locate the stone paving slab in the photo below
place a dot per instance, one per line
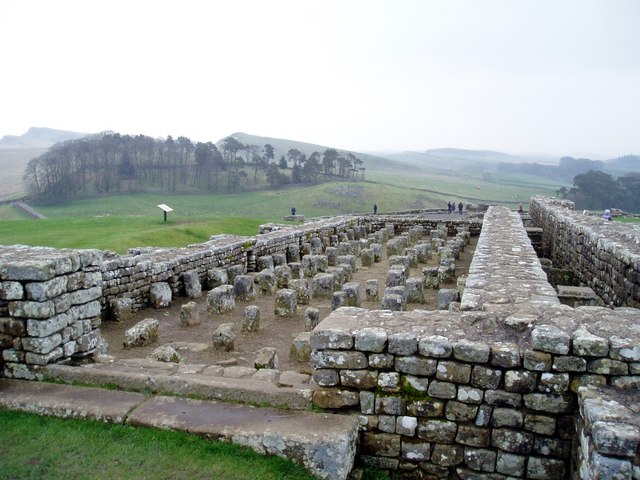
(67, 401)
(243, 390)
(324, 443)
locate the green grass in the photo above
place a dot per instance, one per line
(45, 447)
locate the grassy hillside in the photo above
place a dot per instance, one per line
(13, 161)
(125, 221)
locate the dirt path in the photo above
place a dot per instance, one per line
(274, 331)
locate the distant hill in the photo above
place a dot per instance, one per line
(627, 162)
(281, 146)
(38, 137)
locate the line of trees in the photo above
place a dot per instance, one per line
(112, 163)
(596, 190)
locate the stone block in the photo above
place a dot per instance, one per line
(589, 345)
(251, 319)
(189, 315)
(480, 459)
(545, 469)
(160, 295)
(244, 288)
(537, 361)
(41, 291)
(455, 372)
(435, 346)
(267, 357)
(506, 355)
(11, 291)
(338, 300)
(507, 417)
(337, 359)
(549, 338)
(352, 291)
(393, 302)
(301, 352)
(367, 257)
(121, 309)
(446, 296)
(437, 431)
(447, 455)
(510, 464)
(142, 333)
(360, 379)
(283, 276)
(426, 408)
(234, 270)
(221, 299)
(286, 304)
(371, 339)
(330, 378)
(224, 337)
(167, 354)
(395, 277)
(371, 289)
(217, 277)
(415, 450)
(520, 381)
(444, 390)
(469, 351)
(323, 286)
(403, 343)
(513, 441)
(303, 289)
(461, 412)
(413, 365)
(264, 262)
(331, 339)
(311, 318)
(336, 398)
(414, 290)
(192, 285)
(266, 282)
(389, 381)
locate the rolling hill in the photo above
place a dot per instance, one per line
(38, 137)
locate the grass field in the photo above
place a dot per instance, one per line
(123, 221)
(52, 448)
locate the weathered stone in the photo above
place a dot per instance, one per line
(192, 285)
(361, 379)
(537, 361)
(510, 464)
(189, 314)
(569, 364)
(546, 402)
(548, 338)
(244, 288)
(506, 355)
(499, 398)
(553, 382)
(160, 295)
(437, 431)
(11, 291)
(435, 346)
(587, 344)
(455, 372)
(520, 381)
(331, 339)
(381, 361)
(303, 289)
(266, 282)
(25, 309)
(468, 351)
(606, 366)
(121, 309)
(446, 296)
(41, 291)
(415, 384)
(471, 395)
(371, 339)
(402, 343)
(217, 277)
(335, 398)
(311, 318)
(283, 276)
(415, 450)
(142, 333)
(337, 359)
(624, 349)
(221, 299)
(440, 389)
(233, 271)
(352, 291)
(480, 459)
(447, 455)
(251, 319)
(460, 412)
(485, 378)
(512, 440)
(393, 302)
(540, 424)
(413, 365)
(506, 417)
(167, 354)
(389, 381)
(267, 357)
(41, 345)
(323, 285)
(545, 468)
(338, 300)
(330, 378)
(285, 303)
(224, 337)
(426, 408)
(300, 349)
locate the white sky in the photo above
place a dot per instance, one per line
(540, 76)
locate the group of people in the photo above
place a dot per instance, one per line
(451, 207)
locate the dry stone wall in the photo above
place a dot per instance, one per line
(603, 255)
(49, 307)
(489, 392)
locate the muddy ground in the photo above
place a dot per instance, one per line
(195, 342)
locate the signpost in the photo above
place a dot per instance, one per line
(165, 209)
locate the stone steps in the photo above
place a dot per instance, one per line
(323, 443)
(282, 389)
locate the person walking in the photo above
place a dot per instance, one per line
(460, 208)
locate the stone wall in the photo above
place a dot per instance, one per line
(49, 307)
(489, 392)
(403, 222)
(603, 255)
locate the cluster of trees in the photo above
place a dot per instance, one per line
(596, 190)
(111, 163)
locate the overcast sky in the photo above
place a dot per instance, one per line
(538, 76)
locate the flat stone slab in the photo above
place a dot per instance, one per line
(67, 401)
(323, 443)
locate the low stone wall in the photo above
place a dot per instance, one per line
(603, 255)
(49, 307)
(403, 222)
(489, 392)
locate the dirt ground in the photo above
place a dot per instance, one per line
(195, 342)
